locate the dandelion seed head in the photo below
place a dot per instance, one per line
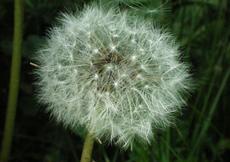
(119, 78)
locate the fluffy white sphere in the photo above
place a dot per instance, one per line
(118, 77)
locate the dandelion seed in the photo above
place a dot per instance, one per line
(59, 67)
(95, 51)
(146, 86)
(115, 84)
(96, 76)
(142, 67)
(133, 41)
(123, 75)
(71, 56)
(133, 58)
(115, 36)
(109, 67)
(112, 47)
(140, 106)
(139, 76)
(142, 50)
(88, 34)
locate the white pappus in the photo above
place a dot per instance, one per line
(119, 78)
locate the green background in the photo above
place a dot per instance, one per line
(201, 132)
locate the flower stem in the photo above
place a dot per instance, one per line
(14, 81)
(87, 148)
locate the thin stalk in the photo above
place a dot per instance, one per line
(206, 101)
(168, 142)
(14, 81)
(207, 122)
(87, 148)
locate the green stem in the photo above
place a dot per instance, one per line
(14, 81)
(87, 148)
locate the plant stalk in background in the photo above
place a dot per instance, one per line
(14, 81)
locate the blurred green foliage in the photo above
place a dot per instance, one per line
(202, 131)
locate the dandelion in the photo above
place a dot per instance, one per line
(121, 85)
